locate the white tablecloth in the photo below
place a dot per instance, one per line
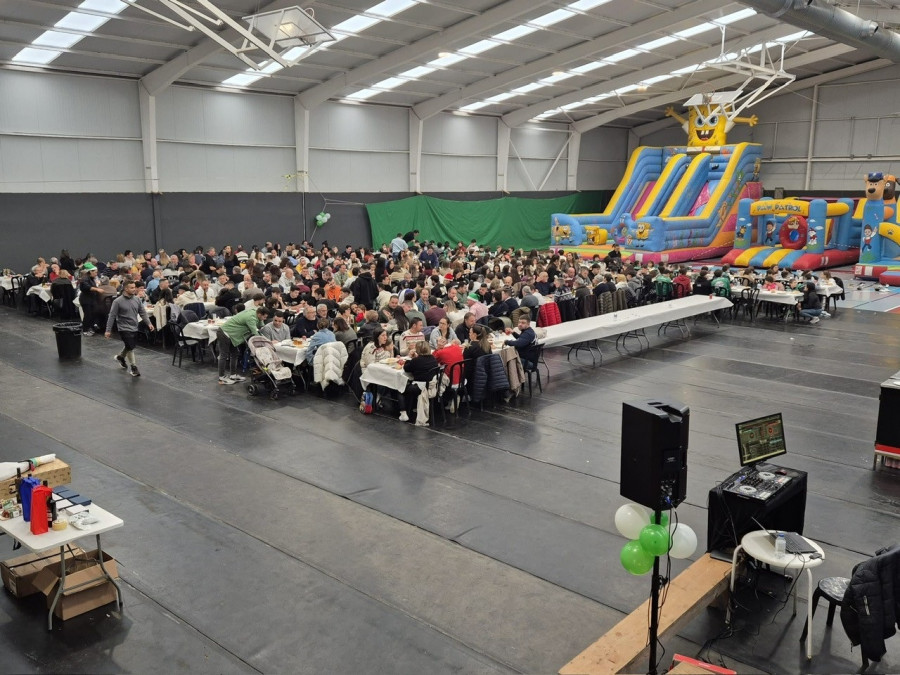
(290, 354)
(828, 291)
(202, 330)
(778, 297)
(386, 375)
(6, 282)
(636, 318)
(43, 292)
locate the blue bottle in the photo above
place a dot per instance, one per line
(28, 484)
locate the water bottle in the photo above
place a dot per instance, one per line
(780, 545)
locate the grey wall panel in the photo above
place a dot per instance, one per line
(539, 142)
(29, 164)
(673, 135)
(107, 224)
(188, 167)
(605, 143)
(788, 175)
(460, 135)
(530, 174)
(358, 127)
(46, 103)
(41, 225)
(845, 175)
(336, 171)
(599, 175)
(458, 174)
(202, 116)
(889, 135)
(792, 140)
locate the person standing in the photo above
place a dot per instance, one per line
(89, 297)
(233, 333)
(127, 312)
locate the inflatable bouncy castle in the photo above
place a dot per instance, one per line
(879, 252)
(674, 203)
(799, 234)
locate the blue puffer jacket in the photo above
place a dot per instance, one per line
(489, 375)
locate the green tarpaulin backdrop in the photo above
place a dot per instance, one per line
(508, 221)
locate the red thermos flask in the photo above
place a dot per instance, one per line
(40, 499)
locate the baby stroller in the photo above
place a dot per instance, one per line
(272, 376)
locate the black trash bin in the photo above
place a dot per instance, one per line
(68, 339)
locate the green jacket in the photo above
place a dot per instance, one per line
(241, 326)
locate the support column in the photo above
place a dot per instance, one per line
(813, 115)
(148, 140)
(572, 162)
(415, 152)
(503, 134)
(301, 145)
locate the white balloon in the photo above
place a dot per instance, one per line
(630, 520)
(684, 541)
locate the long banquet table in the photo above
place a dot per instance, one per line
(627, 320)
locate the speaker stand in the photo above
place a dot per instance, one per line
(655, 584)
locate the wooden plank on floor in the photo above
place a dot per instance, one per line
(688, 594)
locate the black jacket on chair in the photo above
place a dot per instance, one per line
(871, 604)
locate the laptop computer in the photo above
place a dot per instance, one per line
(793, 542)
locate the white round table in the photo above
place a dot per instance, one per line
(760, 546)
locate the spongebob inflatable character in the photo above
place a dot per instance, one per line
(561, 233)
(710, 118)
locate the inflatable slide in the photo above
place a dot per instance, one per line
(674, 203)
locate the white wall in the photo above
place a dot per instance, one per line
(61, 133)
(74, 133)
(856, 130)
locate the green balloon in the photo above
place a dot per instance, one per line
(664, 519)
(635, 559)
(654, 539)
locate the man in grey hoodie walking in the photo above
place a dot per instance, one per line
(127, 311)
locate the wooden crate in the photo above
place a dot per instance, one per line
(55, 473)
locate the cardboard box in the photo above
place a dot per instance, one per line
(96, 592)
(18, 574)
(55, 473)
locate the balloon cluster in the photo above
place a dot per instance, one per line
(649, 540)
(322, 218)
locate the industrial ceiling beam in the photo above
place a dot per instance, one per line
(814, 56)
(517, 117)
(639, 30)
(468, 28)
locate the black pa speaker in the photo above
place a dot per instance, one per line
(654, 453)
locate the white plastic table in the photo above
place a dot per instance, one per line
(760, 546)
(20, 530)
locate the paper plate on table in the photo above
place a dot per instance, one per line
(390, 361)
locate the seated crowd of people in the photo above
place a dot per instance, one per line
(433, 295)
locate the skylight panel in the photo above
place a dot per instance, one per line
(793, 37)
(52, 38)
(389, 8)
(499, 97)
(362, 94)
(35, 56)
(551, 18)
(417, 72)
(736, 16)
(294, 52)
(658, 78)
(86, 23)
(515, 33)
(474, 106)
(110, 6)
(448, 60)
(621, 56)
(272, 67)
(356, 24)
(656, 44)
(478, 47)
(695, 30)
(585, 5)
(556, 77)
(242, 79)
(526, 88)
(391, 83)
(588, 67)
